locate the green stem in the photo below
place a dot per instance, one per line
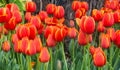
(29, 62)
(46, 66)
(99, 68)
(63, 54)
(73, 49)
(51, 59)
(38, 63)
(111, 56)
(21, 61)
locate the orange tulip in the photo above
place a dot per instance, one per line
(5, 15)
(50, 8)
(44, 55)
(76, 5)
(87, 24)
(78, 13)
(6, 46)
(43, 15)
(59, 12)
(38, 44)
(14, 38)
(105, 41)
(108, 20)
(30, 6)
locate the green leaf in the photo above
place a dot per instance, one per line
(20, 5)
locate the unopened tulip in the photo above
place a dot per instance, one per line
(50, 8)
(59, 12)
(6, 46)
(30, 6)
(38, 44)
(76, 5)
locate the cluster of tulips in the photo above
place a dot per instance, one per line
(26, 35)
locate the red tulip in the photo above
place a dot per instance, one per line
(111, 33)
(12, 7)
(76, 5)
(100, 27)
(18, 46)
(30, 6)
(96, 14)
(14, 38)
(28, 16)
(5, 15)
(105, 41)
(72, 32)
(92, 50)
(59, 12)
(17, 15)
(11, 24)
(99, 57)
(50, 8)
(117, 38)
(84, 5)
(116, 16)
(6, 46)
(87, 24)
(44, 55)
(43, 15)
(78, 13)
(108, 20)
(38, 44)
(50, 42)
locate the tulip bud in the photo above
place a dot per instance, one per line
(84, 5)
(6, 46)
(30, 6)
(117, 38)
(38, 44)
(100, 27)
(43, 15)
(116, 16)
(76, 5)
(17, 46)
(96, 14)
(87, 24)
(50, 41)
(27, 16)
(92, 50)
(17, 15)
(59, 12)
(108, 20)
(50, 8)
(72, 32)
(111, 33)
(14, 38)
(44, 55)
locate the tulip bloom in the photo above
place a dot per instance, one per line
(87, 24)
(6, 46)
(76, 5)
(116, 16)
(5, 15)
(117, 38)
(92, 50)
(18, 16)
(105, 41)
(38, 44)
(100, 27)
(78, 13)
(50, 42)
(27, 16)
(72, 32)
(17, 46)
(43, 15)
(44, 55)
(111, 33)
(12, 7)
(84, 5)
(96, 14)
(108, 20)
(30, 6)
(50, 8)
(59, 12)
(14, 38)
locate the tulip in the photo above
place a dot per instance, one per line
(84, 5)
(27, 16)
(76, 5)
(105, 41)
(43, 15)
(30, 6)
(78, 13)
(11, 24)
(38, 44)
(72, 32)
(59, 12)
(92, 50)
(96, 14)
(5, 15)
(14, 38)
(6, 46)
(116, 16)
(87, 24)
(100, 27)
(12, 7)
(72, 24)
(50, 8)
(17, 46)
(117, 38)
(111, 33)
(50, 42)
(18, 16)
(44, 55)
(108, 20)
